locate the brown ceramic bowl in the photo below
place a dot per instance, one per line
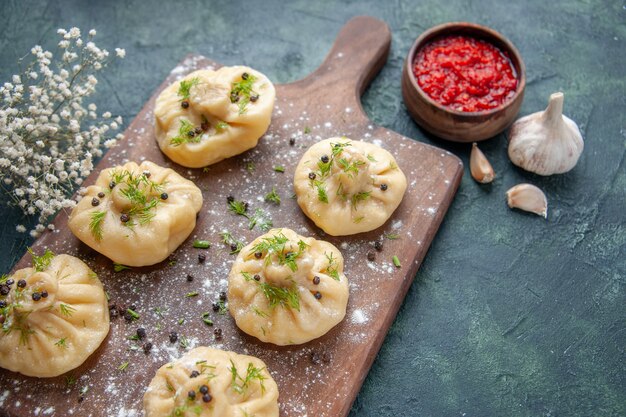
(457, 125)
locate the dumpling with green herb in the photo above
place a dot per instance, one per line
(137, 215)
(287, 289)
(348, 187)
(54, 315)
(211, 115)
(208, 382)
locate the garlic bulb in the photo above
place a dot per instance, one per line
(546, 142)
(527, 197)
(480, 168)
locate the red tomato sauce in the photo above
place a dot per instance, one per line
(465, 74)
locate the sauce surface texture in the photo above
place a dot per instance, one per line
(465, 74)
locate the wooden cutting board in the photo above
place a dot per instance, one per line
(320, 378)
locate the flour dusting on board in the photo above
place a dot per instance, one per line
(313, 379)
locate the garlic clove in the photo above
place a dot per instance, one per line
(527, 197)
(480, 168)
(546, 142)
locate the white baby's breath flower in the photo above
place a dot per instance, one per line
(47, 147)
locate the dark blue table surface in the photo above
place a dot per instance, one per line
(509, 314)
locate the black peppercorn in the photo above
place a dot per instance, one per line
(147, 347)
(21, 283)
(370, 256)
(173, 337)
(312, 175)
(141, 332)
(244, 76)
(316, 280)
(257, 277)
(112, 185)
(218, 334)
(254, 97)
(133, 307)
(292, 141)
(184, 104)
(95, 202)
(113, 313)
(215, 307)
(192, 395)
(164, 196)
(44, 294)
(378, 245)
(198, 130)
(36, 296)
(315, 358)
(147, 174)
(10, 281)
(207, 398)
(101, 194)
(201, 257)
(230, 199)
(191, 133)
(317, 295)
(223, 296)
(325, 159)
(258, 255)
(204, 126)
(4, 289)
(3, 304)
(383, 187)
(233, 247)
(204, 389)
(124, 218)
(234, 97)
(194, 374)
(189, 278)
(127, 316)
(245, 206)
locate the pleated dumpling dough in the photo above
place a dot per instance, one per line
(55, 316)
(208, 382)
(348, 187)
(287, 289)
(137, 215)
(213, 115)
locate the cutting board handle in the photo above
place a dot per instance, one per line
(358, 54)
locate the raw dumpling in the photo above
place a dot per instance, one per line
(54, 315)
(137, 214)
(348, 187)
(208, 382)
(287, 289)
(212, 115)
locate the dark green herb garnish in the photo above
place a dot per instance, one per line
(235, 245)
(392, 236)
(201, 244)
(41, 263)
(95, 224)
(186, 134)
(192, 294)
(240, 384)
(396, 261)
(242, 91)
(331, 269)
(277, 296)
(279, 168)
(358, 197)
(184, 90)
(66, 309)
(123, 366)
(273, 196)
(132, 314)
(119, 267)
